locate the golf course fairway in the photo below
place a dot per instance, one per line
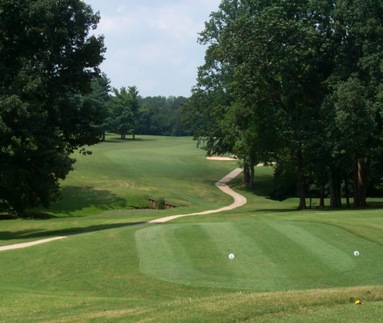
(262, 262)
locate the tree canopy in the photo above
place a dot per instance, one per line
(130, 113)
(297, 83)
(48, 58)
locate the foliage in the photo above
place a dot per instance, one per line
(133, 114)
(99, 101)
(162, 116)
(124, 111)
(160, 203)
(294, 80)
(47, 59)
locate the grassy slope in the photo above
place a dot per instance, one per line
(118, 177)
(290, 266)
(120, 174)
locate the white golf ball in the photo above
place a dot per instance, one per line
(231, 256)
(356, 253)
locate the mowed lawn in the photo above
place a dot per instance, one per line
(269, 255)
(122, 174)
(289, 266)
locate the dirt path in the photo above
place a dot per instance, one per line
(239, 200)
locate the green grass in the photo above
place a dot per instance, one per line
(121, 174)
(269, 255)
(289, 266)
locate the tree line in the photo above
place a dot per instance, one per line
(126, 112)
(294, 83)
(299, 84)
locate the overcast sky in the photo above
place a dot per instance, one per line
(152, 44)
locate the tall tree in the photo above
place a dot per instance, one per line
(121, 113)
(96, 114)
(356, 84)
(270, 58)
(47, 56)
(207, 109)
(287, 64)
(134, 107)
(125, 111)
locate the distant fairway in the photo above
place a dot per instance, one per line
(121, 174)
(290, 266)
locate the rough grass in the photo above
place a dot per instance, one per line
(289, 265)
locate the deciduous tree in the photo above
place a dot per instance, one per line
(47, 56)
(311, 71)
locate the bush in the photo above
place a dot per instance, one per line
(160, 203)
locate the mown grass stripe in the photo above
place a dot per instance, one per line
(251, 263)
(322, 250)
(161, 256)
(269, 255)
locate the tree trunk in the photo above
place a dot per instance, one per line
(356, 192)
(103, 135)
(361, 173)
(246, 174)
(251, 179)
(311, 200)
(364, 167)
(335, 196)
(301, 181)
(321, 199)
(347, 191)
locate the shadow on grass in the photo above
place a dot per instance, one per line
(263, 185)
(119, 140)
(326, 208)
(375, 204)
(36, 233)
(281, 210)
(76, 198)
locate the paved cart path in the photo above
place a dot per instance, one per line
(239, 200)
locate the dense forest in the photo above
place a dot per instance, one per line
(299, 84)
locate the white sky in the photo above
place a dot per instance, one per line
(152, 44)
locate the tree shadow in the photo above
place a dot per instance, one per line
(375, 204)
(41, 233)
(113, 140)
(76, 198)
(276, 210)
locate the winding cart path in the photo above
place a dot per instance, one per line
(239, 200)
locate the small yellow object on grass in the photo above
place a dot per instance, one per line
(358, 302)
